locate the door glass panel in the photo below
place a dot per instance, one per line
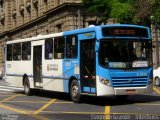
(87, 61)
(37, 64)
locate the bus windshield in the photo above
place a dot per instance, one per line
(125, 53)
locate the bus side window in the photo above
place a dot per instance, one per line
(9, 52)
(71, 46)
(17, 51)
(26, 51)
(59, 48)
(49, 48)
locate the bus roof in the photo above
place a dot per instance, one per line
(94, 28)
(38, 37)
(82, 30)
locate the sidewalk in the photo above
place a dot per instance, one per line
(4, 83)
(5, 86)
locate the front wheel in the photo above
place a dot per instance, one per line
(27, 89)
(74, 91)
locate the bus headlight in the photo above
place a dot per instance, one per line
(104, 81)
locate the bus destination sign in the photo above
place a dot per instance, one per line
(124, 32)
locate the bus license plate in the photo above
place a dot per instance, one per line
(131, 92)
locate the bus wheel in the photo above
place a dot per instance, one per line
(27, 88)
(74, 91)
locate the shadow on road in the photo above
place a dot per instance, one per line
(100, 101)
(113, 101)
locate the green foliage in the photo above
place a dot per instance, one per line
(125, 11)
(156, 11)
(122, 12)
(95, 6)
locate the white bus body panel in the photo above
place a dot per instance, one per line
(15, 71)
(53, 74)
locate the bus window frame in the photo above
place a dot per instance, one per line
(25, 54)
(11, 52)
(15, 52)
(71, 47)
(55, 48)
(49, 39)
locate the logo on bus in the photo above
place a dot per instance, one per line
(52, 67)
(130, 81)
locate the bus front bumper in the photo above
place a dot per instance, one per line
(109, 91)
(133, 90)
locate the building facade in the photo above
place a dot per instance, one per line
(155, 46)
(28, 18)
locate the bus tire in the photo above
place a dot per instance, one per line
(27, 89)
(75, 92)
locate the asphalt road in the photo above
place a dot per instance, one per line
(44, 105)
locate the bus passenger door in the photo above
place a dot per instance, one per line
(88, 66)
(37, 65)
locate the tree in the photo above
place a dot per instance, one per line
(98, 6)
(122, 12)
(119, 10)
(156, 10)
(142, 10)
(126, 11)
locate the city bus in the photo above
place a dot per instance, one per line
(105, 60)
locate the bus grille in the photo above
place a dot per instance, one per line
(129, 82)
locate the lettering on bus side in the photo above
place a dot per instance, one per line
(52, 67)
(142, 74)
(87, 35)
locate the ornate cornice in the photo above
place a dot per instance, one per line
(45, 17)
(14, 13)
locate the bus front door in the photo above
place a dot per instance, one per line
(37, 65)
(88, 66)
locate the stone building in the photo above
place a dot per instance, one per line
(28, 18)
(155, 62)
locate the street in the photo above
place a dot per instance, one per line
(45, 105)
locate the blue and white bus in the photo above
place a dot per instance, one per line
(101, 60)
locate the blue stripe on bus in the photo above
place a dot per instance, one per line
(18, 75)
(49, 77)
(56, 77)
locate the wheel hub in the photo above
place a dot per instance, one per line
(75, 91)
(26, 87)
